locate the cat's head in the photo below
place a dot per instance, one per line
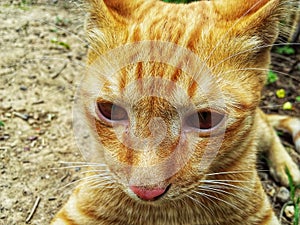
(171, 90)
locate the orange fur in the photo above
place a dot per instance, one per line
(233, 39)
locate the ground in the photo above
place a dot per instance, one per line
(42, 52)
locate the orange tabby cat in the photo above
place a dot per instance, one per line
(170, 101)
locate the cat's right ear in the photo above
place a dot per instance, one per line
(112, 12)
(106, 18)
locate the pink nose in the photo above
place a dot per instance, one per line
(147, 194)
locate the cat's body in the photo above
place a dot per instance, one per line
(212, 178)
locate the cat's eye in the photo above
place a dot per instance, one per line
(111, 111)
(204, 120)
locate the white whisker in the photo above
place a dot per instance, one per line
(252, 50)
(233, 172)
(88, 178)
(199, 203)
(212, 182)
(213, 189)
(260, 69)
(216, 198)
(93, 171)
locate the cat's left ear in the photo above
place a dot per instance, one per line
(253, 17)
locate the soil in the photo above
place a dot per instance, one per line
(42, 52)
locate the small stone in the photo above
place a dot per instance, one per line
(26, 149)
(23, 88)
(6, 105)
(270, 190)
(37, 102)
(36, 116)
(283, 195)
(32, 138)
(289, 211)
(4, 137)
(31, 121)
(21, 115)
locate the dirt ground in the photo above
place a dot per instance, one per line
(42, 52)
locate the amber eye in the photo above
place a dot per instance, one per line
(112, 112)
(204, 120)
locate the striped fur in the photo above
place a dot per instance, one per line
(233, 38)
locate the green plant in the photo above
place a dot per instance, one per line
(298, 99)
(61, 43)
(24, 4)
(294, 200)
(59, 21)
(1, 124)
(285, 50)
(272, 77)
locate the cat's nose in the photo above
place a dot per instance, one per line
(148, 194)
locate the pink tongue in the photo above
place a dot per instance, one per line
(147, 194)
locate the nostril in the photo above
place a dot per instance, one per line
(148, 194)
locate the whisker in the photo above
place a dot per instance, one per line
(106, 185)
(252, 49)
(233, 172)
(260, 69)
(96, 176)
(233, 181)
(239, 198)
(229, 185)
(199, 203)
(216, 198)
(83, 163)
(93, 171)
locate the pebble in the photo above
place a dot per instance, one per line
(26, 149)
(7, 115)
(36, 116)
(283, 194)
(23, 88)
(32, 138)
(21, 115)
(270, 190)
(6, 105)
(4, 137)
(31, 121)
(289, 211)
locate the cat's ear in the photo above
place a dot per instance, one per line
(106, 18)
(110, 12)
(259, 17)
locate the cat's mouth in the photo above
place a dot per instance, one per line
(149, 193)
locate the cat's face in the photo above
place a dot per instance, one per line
(172, 89)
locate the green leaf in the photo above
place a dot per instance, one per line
(1, 124)
(279, 133)
(287, 106)
(291, 182)
(296, 216)
(298, 99)
(272, 77)
(285, 50)
(280, 93)
(61, 43)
